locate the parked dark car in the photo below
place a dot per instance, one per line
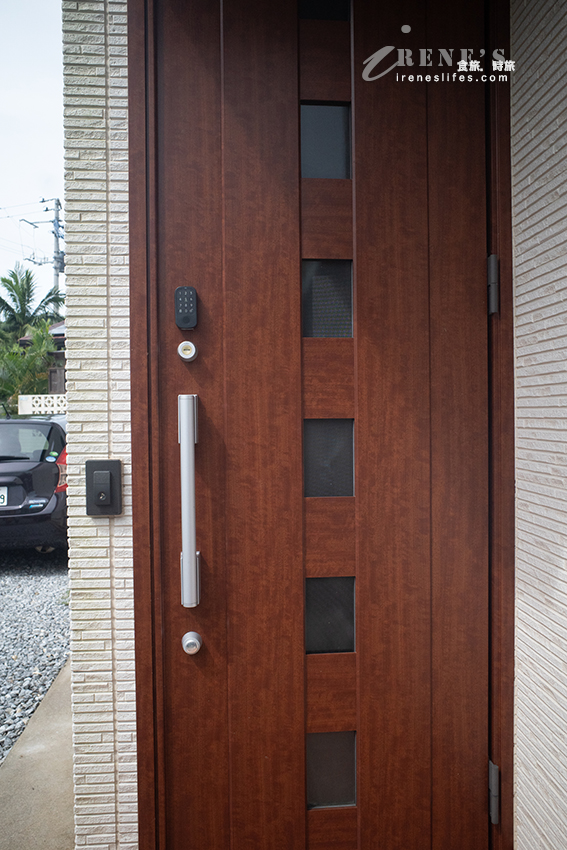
(33, 485)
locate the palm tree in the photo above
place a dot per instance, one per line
(18, 310)
(25, 370)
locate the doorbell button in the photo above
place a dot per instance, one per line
(187, 350)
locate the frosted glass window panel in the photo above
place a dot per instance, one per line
(325, 10)
(331, 769)
(327, 298)
(328, 457)
(329, 614)
(325, 140)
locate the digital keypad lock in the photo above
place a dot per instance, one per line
(186, 307)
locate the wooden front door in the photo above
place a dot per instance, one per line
(335, 232)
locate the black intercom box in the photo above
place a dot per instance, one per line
(104, 487)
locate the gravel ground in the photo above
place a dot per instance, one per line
(34, 634)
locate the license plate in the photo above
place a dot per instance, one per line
(3, 496)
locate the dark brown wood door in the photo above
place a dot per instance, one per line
(341, 696)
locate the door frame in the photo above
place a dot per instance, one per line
(146, 428)
(502, 435)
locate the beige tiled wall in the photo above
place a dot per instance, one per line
(96, 219)
(539, 47)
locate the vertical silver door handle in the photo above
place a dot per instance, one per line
(187, 424)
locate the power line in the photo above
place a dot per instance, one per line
(19, 206)
(9, 242)
(58, 232)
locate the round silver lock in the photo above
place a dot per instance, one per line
(187, 350)
(191, 643)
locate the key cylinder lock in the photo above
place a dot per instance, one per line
(187, 350)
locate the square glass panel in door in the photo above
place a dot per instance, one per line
(331, 769)
(329, 614)
(328, 457)
(327, 298)
(325, 10)
(325, 140)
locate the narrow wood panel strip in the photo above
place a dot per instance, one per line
(332, 829)
(264, 426)
(189, 184)
(143, 298)
(459, 444)
(330, 537)
(324, 60)
(326, 219)
(502, 441)
(393, 458)
(328, 378)
(331, 692)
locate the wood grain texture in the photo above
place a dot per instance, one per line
(459, 443)
(324, 60)
(189, 224)
(264, 426)
(328, 378)
(332, 829)
(393, 434)
(331, 692)
(146, 709)
(237, 237)
(330, 543)
(326, 219)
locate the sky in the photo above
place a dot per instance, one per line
(31, 133)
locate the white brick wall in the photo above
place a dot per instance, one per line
(94, 36)
(539, 112)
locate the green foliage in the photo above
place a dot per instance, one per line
(25, 370)
(17, 303)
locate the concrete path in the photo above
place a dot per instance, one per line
(36, 778)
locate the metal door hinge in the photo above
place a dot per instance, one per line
(492, 276)
(493, 791)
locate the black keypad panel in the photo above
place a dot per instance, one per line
(186, 307)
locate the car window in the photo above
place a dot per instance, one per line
(30, 441)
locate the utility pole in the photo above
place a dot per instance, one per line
(58, 254)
